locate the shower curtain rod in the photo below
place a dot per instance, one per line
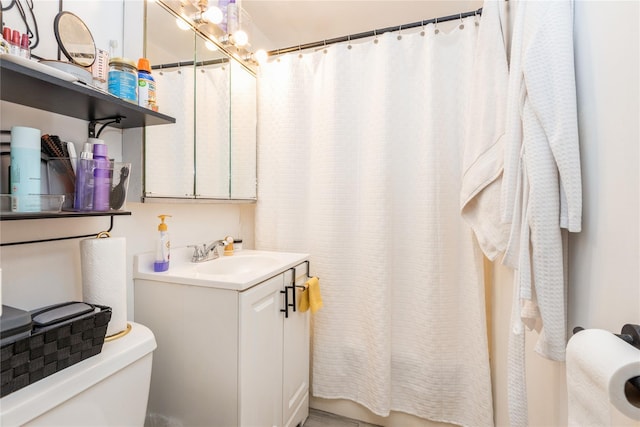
(189, 63)
(372, 33)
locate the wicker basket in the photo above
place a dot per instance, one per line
(30, 359)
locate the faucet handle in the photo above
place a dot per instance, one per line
(198, 252)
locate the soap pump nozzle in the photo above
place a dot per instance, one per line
(162, 226)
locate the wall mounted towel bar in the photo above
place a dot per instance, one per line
(292, 286)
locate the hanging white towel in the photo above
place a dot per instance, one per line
(483, 157)
(541, 190)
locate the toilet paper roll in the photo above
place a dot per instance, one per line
(104, 266)
(599, 364)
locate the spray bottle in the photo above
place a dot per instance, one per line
(84, 179)
(163, 246)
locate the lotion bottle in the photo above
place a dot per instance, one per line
(163, 247)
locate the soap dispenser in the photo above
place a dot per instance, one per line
(163, 246)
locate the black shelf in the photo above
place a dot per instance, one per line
(5, 216)
(22, 85)
(9, 216)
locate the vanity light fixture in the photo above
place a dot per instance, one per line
(211, 14)
(204, 15)
(239, 38)
(258, 57)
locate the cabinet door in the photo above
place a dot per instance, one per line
(168, 150)
(169, 154)
(243, 133)
(295, 383)
(260, 354)
(212, 123)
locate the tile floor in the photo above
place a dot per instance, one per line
(325, 419)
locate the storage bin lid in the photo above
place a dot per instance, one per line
(13, 321)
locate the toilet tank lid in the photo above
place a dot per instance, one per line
(36, 399)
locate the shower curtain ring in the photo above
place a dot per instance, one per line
(399, 33)
(325, 47)
(349, 42)
(375, 35)
(300, 51)
(475, 18)
(422, 33)
(461, 23)
(436, 30)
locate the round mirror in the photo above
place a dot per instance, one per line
(74, 39)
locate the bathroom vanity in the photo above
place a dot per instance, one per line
(230, 353)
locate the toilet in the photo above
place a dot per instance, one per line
(109, 389)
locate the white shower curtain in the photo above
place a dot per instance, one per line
(360, 166)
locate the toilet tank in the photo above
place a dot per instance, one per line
(109, 389)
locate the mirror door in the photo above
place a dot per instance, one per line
(210, 152)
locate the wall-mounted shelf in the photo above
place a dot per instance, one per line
(26, 86)
(7, 216)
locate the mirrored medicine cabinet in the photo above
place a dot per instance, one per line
(209, 154)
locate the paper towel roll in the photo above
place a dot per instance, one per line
(599, 364)
(104, 277)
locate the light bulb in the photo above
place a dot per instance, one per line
(210, 45)
(182, 24)
(213, 14)
(261, 56)
(240, 38)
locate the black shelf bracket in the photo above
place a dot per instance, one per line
(94, 122)
(55, 239)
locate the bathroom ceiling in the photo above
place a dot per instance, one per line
(285, 23)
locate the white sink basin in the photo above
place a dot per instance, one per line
(237, 272)
(229, 265)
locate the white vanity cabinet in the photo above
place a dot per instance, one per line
(227, 357)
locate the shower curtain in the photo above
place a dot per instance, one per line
(360, 149)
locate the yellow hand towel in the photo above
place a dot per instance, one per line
(310, 297)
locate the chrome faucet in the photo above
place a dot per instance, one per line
(206, 252)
